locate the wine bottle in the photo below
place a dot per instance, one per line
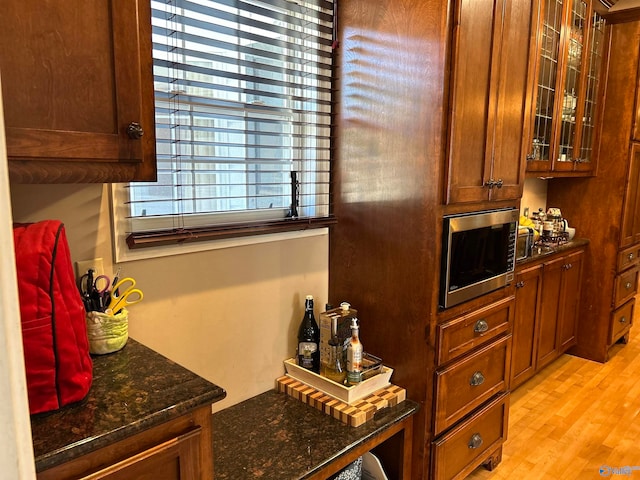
(354, 355)
(309, 339)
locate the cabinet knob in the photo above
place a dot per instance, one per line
(475, 441)
(135, 131)
(623, 319)
(628, 285)
(481, 326)
(499, 183)
(476, 379)
(489, 183)
(520, 284)
(630, 256)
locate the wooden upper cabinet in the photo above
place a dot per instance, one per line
(488, 94)
(636, 119)
(76, 82)
(570, 54)
(630, 229)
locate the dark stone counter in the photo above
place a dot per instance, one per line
(133, 389)
(540, 253)
(275, 436)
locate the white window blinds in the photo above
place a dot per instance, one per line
(243, 120)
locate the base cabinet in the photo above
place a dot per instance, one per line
(546, 313)
(471, 388)
(180, 449)
(525, 331)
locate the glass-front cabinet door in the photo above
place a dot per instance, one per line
(568, 69)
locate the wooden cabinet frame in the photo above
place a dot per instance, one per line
(586, 99)
(72, 88)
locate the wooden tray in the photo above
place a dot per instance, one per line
(339, 392)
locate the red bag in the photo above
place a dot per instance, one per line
(54, 332)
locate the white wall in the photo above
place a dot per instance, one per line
(229, 315)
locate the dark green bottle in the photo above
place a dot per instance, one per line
(309, 339)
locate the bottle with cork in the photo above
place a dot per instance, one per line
(354, 355)
(309, 339)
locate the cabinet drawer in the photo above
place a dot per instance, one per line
(621, 321)
(471, 381)
(468, 445)
(625, 287)
(462, 334)
(627, 258)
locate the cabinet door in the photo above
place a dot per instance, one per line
(75, 76)
(490, 45)
(570, 297)
(630, 229)
(547, 55)
(525, 334)
(570, 59)
(514, 86)
(585, 160)
(549, 306)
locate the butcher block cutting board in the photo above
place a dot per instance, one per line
(355, 414)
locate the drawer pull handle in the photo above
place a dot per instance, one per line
(481, 326)
(623, 319)
(628, 285)
(476, 379)
(475, 441)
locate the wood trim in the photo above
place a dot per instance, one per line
(218, 232)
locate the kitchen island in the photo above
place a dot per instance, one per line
(143, 413)
(275, 436)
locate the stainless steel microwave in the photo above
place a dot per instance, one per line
(478, 254)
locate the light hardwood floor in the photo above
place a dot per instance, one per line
(573, 418)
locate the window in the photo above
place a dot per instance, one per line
(243, 119)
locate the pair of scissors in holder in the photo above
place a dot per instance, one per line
(94, 296)
(127, 295)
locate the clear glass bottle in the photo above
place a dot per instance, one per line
(354, 355)
(309, 339)
(335, 369)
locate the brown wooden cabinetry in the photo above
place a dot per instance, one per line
(559, 302)
(471, 385)
(477, 440)
(180, 449)
(546, 321)
(605, 209)
(525, 331)
(78, 90)
(630, 229)
(569, 66)
(489, 86)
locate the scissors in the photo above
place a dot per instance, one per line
(94, 296)
(127, 295)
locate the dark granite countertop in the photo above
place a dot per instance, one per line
(275, 436)
(540, 253)
(132, 390)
